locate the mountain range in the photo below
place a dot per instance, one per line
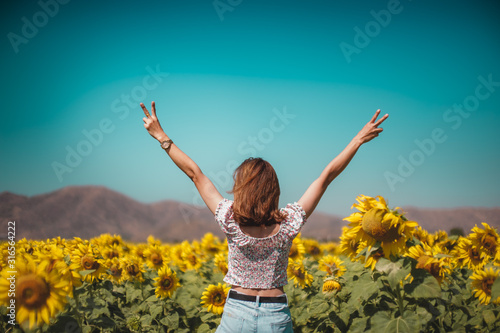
(88, 211)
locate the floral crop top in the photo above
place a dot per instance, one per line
(259, 263)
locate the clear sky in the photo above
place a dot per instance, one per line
(289, 81)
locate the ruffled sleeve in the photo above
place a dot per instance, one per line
(296, 217)
(224, 215)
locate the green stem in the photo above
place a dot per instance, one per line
(142, 290)
(400, 300)
(77, 309)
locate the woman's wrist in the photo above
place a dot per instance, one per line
(162, 137)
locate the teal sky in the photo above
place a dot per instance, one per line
(289, 81)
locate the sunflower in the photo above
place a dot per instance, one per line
(108, 240)
(153, 241)
(220, 261)
(26, 247)
(132, 269)
(468, 255)
(422, 235)
(349, 245)
(214, 297)
(375, 222)
(427, 259)
(166, 282)
(155, 256)
(115, 270)
(297, 250)
(210, 244)
(448, 245)
(297, 272)
(87, 256)
(190, 257)
(486, 238)
(54, 256)
(111, 251)
(138, 250)
(373, 258)
(330, 247)
(40, 294)
(482, 281)
(312, 248)
(437, 237)
(332, 265)
(331, 285)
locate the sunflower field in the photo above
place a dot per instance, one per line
(385, 274)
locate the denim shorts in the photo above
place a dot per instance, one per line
(248, 316)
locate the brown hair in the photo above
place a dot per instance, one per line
(256, 193)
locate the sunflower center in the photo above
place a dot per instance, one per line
(115, 271)
(156, 259)
(331, 268)
(298, 273)
(490, 243)
(218, 299)
(293, 251)
(88, 262)
(113, 254)
(192, 259)
(474, 254)
(166, 283)
(372, 224)
(132, 270)
(32, 291)
(315, 250)
(432, 268)
(486, 285)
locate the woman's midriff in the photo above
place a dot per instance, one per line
(260, 292)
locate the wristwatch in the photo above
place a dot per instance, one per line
(166, 144)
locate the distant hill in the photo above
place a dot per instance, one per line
(88, 211)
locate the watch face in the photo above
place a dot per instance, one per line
(165, 144)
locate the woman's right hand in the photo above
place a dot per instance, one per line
(371, 129)
(152, 124)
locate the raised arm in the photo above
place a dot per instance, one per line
(313, 194)
(207, 190)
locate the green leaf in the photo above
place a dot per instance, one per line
(368, 289)
(152, 299)
(495, 289)
(146, 320)
(358, 325)
(86, 272)
(423, 315)
(489, 317)
(382, 322)
(428, 288)
(204, 328)
(133, 295)
(372, 250)
(171, 320)
(155, 310)
(87, 329)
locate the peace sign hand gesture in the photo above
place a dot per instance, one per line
(151, 122)
(371, 129)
